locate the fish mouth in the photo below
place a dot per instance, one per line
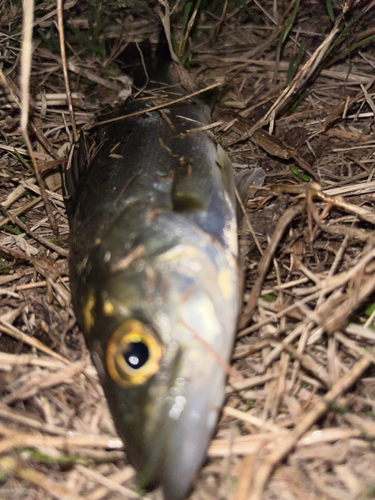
(178, 447)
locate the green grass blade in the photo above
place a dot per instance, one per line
(289, 23)
(329, 5)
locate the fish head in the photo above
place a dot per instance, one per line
(161, 336)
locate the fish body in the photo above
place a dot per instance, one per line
(154, 278)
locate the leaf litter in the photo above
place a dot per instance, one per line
(296, 98)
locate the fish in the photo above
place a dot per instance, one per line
(154, 274)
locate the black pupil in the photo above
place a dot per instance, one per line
(136, 355)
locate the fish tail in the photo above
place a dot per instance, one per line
(145, 66)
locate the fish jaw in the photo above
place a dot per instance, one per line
(168, 427)
(167, 421)
(192, 422)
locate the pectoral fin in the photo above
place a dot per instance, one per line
(227, 172)
(247, 178)
(244, 180)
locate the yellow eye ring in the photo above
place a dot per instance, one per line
(133, 354)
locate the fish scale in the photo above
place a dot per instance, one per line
(154, 277)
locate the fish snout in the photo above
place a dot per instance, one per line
(188, 425)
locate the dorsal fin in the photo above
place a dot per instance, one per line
(145, 67)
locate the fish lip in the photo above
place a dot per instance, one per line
(179, 471)
(183, 435)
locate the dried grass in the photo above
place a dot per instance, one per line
(299, 421)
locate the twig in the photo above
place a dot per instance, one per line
(118, 477)
(362, 212)
(315, 191)
(111, 485)
(28, 17)
(166, 21)
(22, 337)
(302, 76)
(160, 106)
(34, 384)
(10, 465)
(25, 208)
(64, 66)
(266, 260)
(65, 442)
(248, 223)
(287, 443)
(15, 220)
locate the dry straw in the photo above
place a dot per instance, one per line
(298, 419)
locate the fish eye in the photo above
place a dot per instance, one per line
(133, 354)
(136, 355)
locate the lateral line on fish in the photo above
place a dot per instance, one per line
(160, 106)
